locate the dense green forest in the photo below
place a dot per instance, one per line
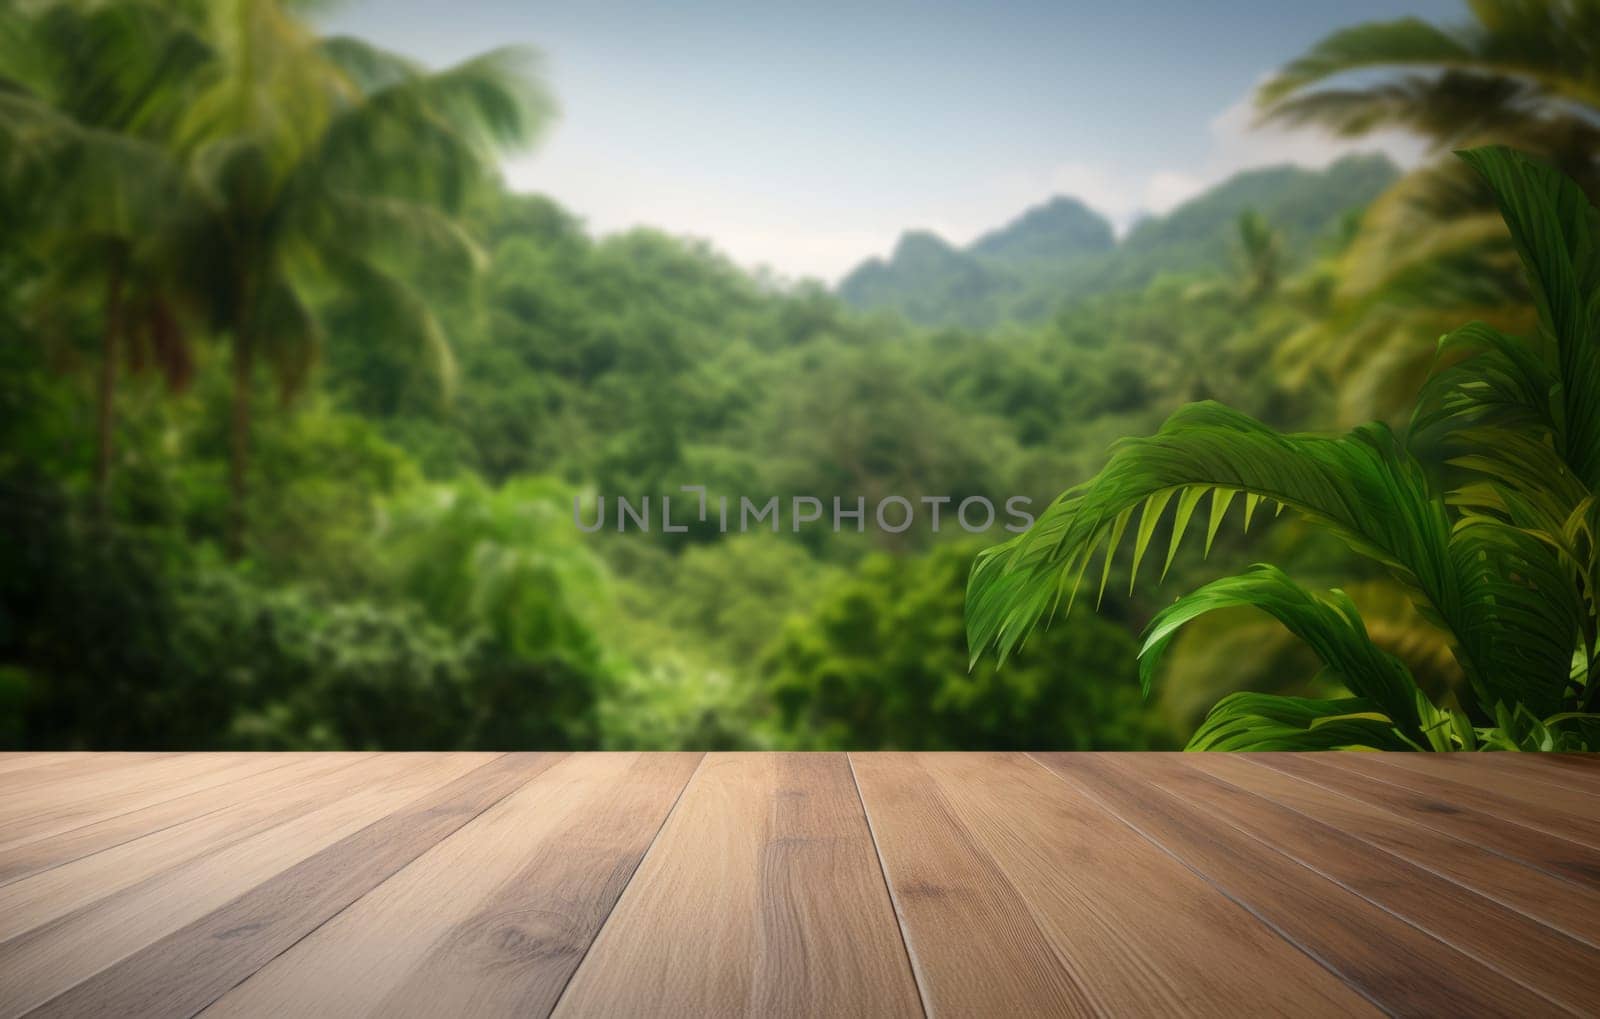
(297, 411)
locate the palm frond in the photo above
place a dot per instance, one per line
(1407, 41)
(430, 135)
(1518, 74)
(1430, 253)
(1546, 47)
(1557, 234)
(1518, 615)
(1491, 380)
(1499, 562)
(1262, 722)
(1329, 625)
(1363, 486)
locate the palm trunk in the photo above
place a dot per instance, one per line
(106, 391)
(239, 437)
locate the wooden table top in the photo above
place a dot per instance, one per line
(878, 884)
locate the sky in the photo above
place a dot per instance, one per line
(805, 138)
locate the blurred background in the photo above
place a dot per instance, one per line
(315, 319)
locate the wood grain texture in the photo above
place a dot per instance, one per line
(1502, 779)
(190, 968)
(797, 884)
(946, 887)
(45, 812)
(65, 766)
(1565, 770)
(1131, 929)
(492, 920)
(1548, 852)
(1402, 969)
(17, 761)
(1546, 961)
(761, 896)
(1578, 822)
(28, 791)
(36, 899)
(73, 947)
(1553, 901)
(44, 853)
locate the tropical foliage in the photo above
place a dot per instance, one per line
(882, 661)
(296, 397)
(240, 175)
(1495, 543)
(1432, 251)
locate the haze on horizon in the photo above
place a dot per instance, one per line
(808, 140)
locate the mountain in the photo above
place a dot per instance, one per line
(1304, 206)
(930, 282)
(1062, 250)
(1060, 228)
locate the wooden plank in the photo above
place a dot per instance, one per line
(494, 919)
(1539, 957)
(72, 948)
(36, 851)
(65, 765)
(1403, 970)
(1553, 769)
(944, 888)
(761, 896)
(1591, 761)
(190, 968)
(63, 781)
(198, 865)
(1499, 774)
(1550, 900)
(1554, 855)
(1131, 929)
(124, 791)
(1581, 826)
(39, 898)
(45, 853)
(24, 760)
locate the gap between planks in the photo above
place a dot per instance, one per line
(191, 967)
(888, 887)
(1376, 796)
(1396, 962)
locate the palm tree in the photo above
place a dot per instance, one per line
(1500, 551)
(1521, 73)
(334, 169)
(85, 103)
(1432, 252)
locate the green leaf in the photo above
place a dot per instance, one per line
(1153, 507)
(1364, 487)
(1117, 530)
(1328, 624)
(1220, 498)
(1377, 44)
(1557, 235)
(1261, 722)
(1180, 523)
